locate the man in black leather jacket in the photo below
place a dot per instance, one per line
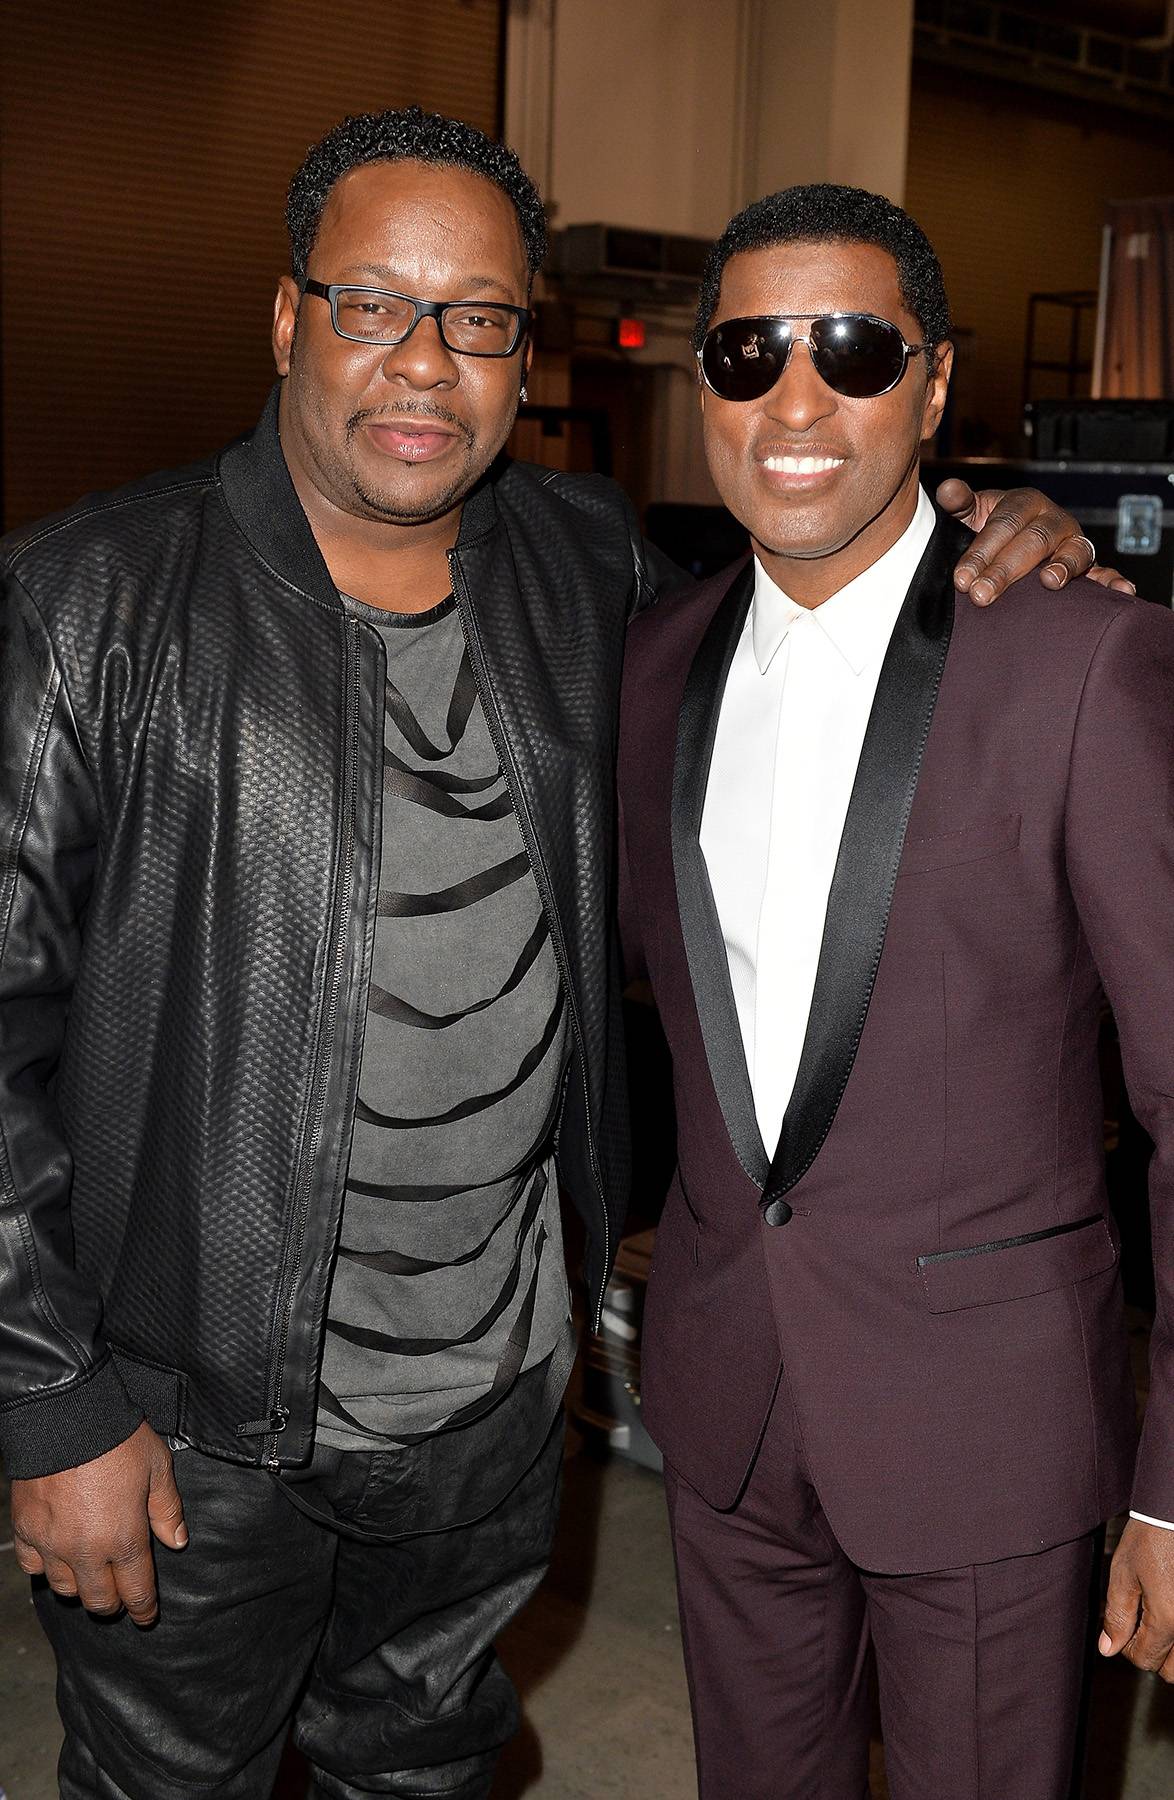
(194, 711)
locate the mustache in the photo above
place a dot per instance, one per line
(414, 410)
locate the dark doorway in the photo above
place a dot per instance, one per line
(626, 392)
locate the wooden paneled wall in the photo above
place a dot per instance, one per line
(146, 150)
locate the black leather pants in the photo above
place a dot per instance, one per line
(383, 1651)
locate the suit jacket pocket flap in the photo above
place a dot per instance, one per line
(986, 837)
(1015, 1268)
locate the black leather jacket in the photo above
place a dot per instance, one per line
(190, 781)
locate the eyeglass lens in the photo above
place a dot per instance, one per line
(466, 326)
(857, 356)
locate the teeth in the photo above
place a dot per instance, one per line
(802, 465)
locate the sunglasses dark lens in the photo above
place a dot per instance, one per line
(857, 357)
(742, 359)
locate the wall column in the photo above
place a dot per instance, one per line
(827, 94)
(671, 114)
(528, 101)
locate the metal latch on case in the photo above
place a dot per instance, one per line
(1139, 525)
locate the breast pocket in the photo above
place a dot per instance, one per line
(973, 842)
(1016, 1268)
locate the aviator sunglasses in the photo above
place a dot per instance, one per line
(856, 354)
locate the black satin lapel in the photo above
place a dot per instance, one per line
(705, 947)
(870, 850)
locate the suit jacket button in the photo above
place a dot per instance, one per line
(777, 1212)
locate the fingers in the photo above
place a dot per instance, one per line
(100, 1586)
(164, 1506)
(60, 1577)
(1122, 1606)
(95, 1587)
(134, 1577)
(1151, 1644)
(28, 1557)
(1015, 539)
(92, 1584)
(957, 497)
(1075, 557)
(88, 1529)
(985, 573)
(1022, 531)
(106, 1587)
(1111, 578)
(1139, 1610)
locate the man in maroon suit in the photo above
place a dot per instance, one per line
(885, 853)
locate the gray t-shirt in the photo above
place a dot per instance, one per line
(450, 1280)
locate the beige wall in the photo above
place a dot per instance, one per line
(646, 125)
(671, 114)
(830, 94)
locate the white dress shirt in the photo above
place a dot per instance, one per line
(789, 735)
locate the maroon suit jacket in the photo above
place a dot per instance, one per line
(939, 1290)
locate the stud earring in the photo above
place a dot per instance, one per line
(522, 395)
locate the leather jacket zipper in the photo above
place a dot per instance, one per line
(278, 1414)
(546, 892)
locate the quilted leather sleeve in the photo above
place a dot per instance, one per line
(657, 574)
(631, 946)
(653, 573)
(61, 1400)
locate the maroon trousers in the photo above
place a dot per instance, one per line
(980, 1669)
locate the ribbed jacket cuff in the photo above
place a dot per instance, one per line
(67, 1426)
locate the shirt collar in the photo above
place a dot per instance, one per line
(858, 620)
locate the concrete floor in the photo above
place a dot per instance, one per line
(597, 1657)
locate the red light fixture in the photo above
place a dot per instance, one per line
(631, 334)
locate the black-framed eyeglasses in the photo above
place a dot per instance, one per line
(856, 354)
(378, 316)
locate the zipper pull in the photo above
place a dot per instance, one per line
(275, 1421)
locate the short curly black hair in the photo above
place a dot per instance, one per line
(823, 213)
(408, 134)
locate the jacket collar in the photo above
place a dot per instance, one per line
(263, 501)
(865, 873)
(543, 587)
(858, 621)
(259, 493)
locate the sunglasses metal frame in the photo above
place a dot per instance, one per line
(424, 309)
(907, 350)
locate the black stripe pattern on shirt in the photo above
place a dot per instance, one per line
(449, 1277)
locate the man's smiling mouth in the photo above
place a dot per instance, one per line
(802, 465)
